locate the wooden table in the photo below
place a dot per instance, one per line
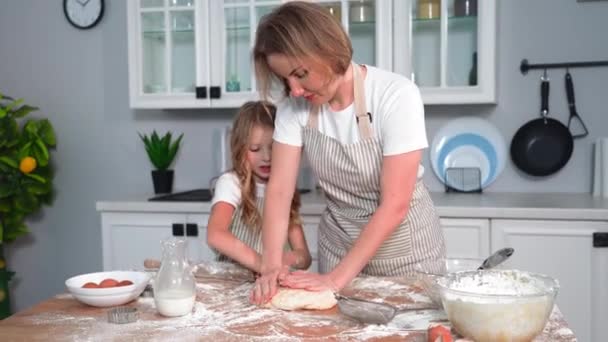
(222, 313)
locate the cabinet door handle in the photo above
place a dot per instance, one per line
(600, 239)
(215, 92)
(191, 229)
(201, 92)
(178, 229)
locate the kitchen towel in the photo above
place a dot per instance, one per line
(600, 168)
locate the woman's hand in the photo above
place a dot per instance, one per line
(309, 281)
(266, 285)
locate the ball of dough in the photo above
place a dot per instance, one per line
(297, 299)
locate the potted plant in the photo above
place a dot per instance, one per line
(26, 177)
(162, 152)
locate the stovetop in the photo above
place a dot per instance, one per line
(196, 195)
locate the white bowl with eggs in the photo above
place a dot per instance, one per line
(107, 296)
(498, 305)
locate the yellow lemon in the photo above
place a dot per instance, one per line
(27, 165)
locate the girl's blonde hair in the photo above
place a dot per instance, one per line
(300, 29)
(253, 114)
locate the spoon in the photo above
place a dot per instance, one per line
(496, 258)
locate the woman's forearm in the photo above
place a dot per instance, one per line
(275, 222)
(381, 225)
(227, 244)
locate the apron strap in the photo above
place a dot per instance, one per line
(364, 119)
(313, 117)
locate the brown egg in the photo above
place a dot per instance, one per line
(108, 282)
(90, 285)
(125, 283)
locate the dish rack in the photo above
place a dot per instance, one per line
(463, 179)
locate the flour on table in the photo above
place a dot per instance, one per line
(223, 269)
(417, 319)
(386, 290)
(222, 312)
(365, 283)
(296, 299)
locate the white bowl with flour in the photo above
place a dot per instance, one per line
(498, 305)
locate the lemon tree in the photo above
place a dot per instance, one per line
(26, 177)
(25, 173)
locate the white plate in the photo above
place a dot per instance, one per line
(469, 142)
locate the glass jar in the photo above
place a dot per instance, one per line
(174, 286)
(429, 9)
(465, 8)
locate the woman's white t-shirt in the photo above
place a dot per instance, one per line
(393, 101)
(227, 189)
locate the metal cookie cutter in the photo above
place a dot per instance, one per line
(122, 315)
(148, 291)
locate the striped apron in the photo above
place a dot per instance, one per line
(249, 236)
(349, 175)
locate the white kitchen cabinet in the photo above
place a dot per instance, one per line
(202, 250)
(563, 250)
(448, 48)
(197, 53)
(167, 64)
(466, 238)
(129, 238)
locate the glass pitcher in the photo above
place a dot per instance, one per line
(174, 286)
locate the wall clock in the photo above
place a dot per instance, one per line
(83, 14)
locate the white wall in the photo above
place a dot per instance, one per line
(79, 80)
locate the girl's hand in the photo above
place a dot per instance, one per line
(309, 281)
(266, 285)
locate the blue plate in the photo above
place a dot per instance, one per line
(469, 142)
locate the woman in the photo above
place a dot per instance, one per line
(363, 133)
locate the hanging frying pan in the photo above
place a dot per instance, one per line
(542, 146)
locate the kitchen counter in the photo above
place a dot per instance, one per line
(557, 206)
(222, 313)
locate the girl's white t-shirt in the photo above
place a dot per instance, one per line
(227, 189)
(393, 101)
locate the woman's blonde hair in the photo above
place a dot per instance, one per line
(253, 114)
(300, 29)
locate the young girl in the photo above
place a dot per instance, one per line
(234, 228)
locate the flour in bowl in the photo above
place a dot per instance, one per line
(497, 305)
(511, 283)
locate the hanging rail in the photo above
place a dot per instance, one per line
(525, 66)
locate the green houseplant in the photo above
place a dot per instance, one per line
(26, 178)
(162, 152)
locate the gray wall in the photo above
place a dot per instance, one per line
(79, 80)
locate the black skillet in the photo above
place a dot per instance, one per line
(542, 146)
